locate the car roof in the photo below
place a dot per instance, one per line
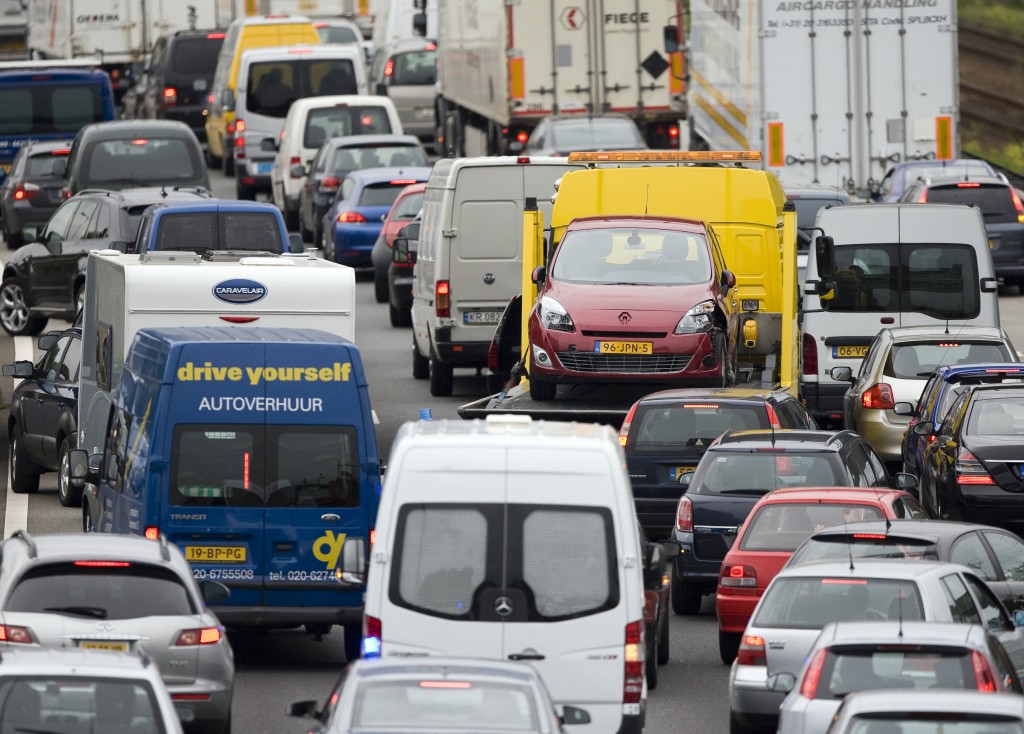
(752, 439)
(942, 333)
(119, 129)
(868, 568)
(930, 530)
(75, 661)
(906, 632)
(225, 205)
(949, 372)
(363, 141)
(932, 701)
(827, 494)
(376, 175)
(444, 667)
(411, 44)
(718, 394)
(44, 146)
(272, 19)
(951, 164)
(1014, 389)
(603, 222)
(951, 181)
(305, 50)
(211, 33)
(815, 191)
(60, 547)
(149, 195)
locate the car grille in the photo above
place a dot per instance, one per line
(636, 364)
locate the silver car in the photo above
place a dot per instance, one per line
(69, 690)
(801, 600)
(406, 71)
(929, 712)
(861, 656)
(121, 593)
(879, 403)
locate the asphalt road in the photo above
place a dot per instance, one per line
(277, 668)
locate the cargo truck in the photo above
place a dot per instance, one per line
(833, 93)
(505, 65)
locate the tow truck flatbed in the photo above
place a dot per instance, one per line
(604, 404)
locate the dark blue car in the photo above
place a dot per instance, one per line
(202, 226)
(354, 221)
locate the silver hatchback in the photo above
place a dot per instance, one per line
(929, 712)
(121, 593)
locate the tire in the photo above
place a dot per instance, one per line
(87, 526)
(720, 359)
(380, 288)
(291, 218)
(24, 475)
(15, 317)
(686, 598)
(651, 665)
(228, 161)
(226, 729)
(69, 496)
(353, 641)
(663, 640)
(735, 727)
(420, 364)
(307, 235)
(399, 317)
(441, 378)
(80, 298)
(244, 192)
(13, 239)
(212, 162)
(728, 646)
(328, 245)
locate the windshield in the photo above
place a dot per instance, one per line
(446, 705)
(994, 200)
(632, 256)
(74, 704)
(274, 85)
(732, 472)
(38, 108)
(812, 602)
(785, 525)
(955, 168)
(378, 156)
(140, 162)
(338, 34)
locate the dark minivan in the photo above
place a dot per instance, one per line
(180, 76)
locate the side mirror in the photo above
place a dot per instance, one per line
(539, 274)
(47, 340)
(671, 35)
(685, 479)
(989, 285)
(296, 171)
(60, 168)
(924, 428)
(353, 561)
(906, 481)
(571, 715)
(214, 591)
(269, 145)
(419, 24)
(781, 682)
(841, 374)
(121, 246)
(30, 234)
(654, 566)
(381, 88)
(400, 252)
(303, 709)
(24, 368)
(903, 408)
(227, 100)
(728, 279)
(79, 469)
(825, 256)
(295, 243)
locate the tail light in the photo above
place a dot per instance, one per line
(240, 138)
(231, 127)
(773, 417)
(809, 361)
(624, 430)
(295, 161)
(809, 686)
(492, 355)
(923, 197)
(17, 635)
(684, 515)
(1017, 205)
(351, 218)
(442, 299)
(673, 131)
(330, 183)
(983, 673)
(878, 396)
(170, 96)
(201, 636)
(969, 470)
(738, 579)
(633, 680)
(372, 635)
(389, 67)
(25, 191)
(152, 532)
(751, 651)
(522, 136)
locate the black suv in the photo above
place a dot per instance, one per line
(739, 468)
(665, 434)
(46, 278)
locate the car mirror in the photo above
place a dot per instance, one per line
(411, 231)
(30, 234)
(400, 253)
(728, 280)
(654, 566)
(54, 243)
(924, 428)
(811, 287)
(381, 88)
(419, 24)
(538, 275)
(903, 408)
(572, 715)
(825, 256)
(685, 479)
(121, 245)
(303, 709)
(353, 561)
(989, 285)
(269, 145)
(906, 481)
(295, 243)
(79, 470)
(227, 100)
(841, 374)
(47, 340)
(515, 146)
(781, 682)
(296, 171)
(60, 168)
(22, 368)
(214, 591)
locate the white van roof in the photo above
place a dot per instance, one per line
(446, 170)
(865, 224)
(503, 428)
(303, 50)
(304, 104)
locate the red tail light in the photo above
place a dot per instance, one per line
(330, 183)
(170, 96)
(809, 361)
(923, 198)
(751, 651)
(983, 673)
(1017, 205)
(738, 579)
(633, 654)
(878, 396)
(231, 126)
(809, 687)
(968, 185)
(25, 191)
(215, 35)
(522, 136)
(202, 636)
(773, 417)
(16, 635)
(969, 470)
(389, 67)
(684, 515)
(351, 218)
(373, 633)
(294, 161)
(442, 299)
(239, 139)
(624, 430)
(152, 532)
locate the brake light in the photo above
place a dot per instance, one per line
(869, 536)
(700, 406)
(751, 651)
(351, 218)
(190, 696)
(215, 35)
(201, 636)
(403, 181)
(878, 396)
(294, 161)
(968, 185)
(809, 358)
(389, 67)
(684, 515)
(300, 51)
(61, 151)
(773, 417)
(373, 633)
(231, 126)
(738, 578)
(1017, 205)
(430, 47)
(983, 673)
(923, 198)
(17, 635)
(522, 136)
(330, 183)
(445, 684)
(373, 536)
(969, 470)
(845, 582)
(139, 141)
(624, 430)
(809, 686)
(673, 131)
(633, 655)
(152, 532)
(523, 160)
(442, 299)
(103, 564)
(25, 191)
(239, 319)
(170, 96)
(240, 137)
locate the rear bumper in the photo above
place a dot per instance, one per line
(688, 568)
(657, 515)
(203, 717)
(286, 616)
(750, 701)
(824, 401)
(734, 611)
(459, 354)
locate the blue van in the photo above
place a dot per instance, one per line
(254, 450)
(49, 104)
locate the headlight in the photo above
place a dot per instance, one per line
(554, 316)
(697, 319)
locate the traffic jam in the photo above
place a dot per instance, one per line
(681, 381)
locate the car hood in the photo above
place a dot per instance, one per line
(590, 303)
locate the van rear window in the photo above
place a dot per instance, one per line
(202, 231)
(41, 108)
(274, 85)
(413, 68)
(323, 123)
(195, 57)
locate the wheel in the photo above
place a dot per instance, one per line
(353, 641)
(720, 359)
(69, 496)
(651, 664)
(420, 364)
(227, 725)
(291, 218)
(24, 476)
(229, 157)
(663, 637)
(542, 389)
(13, 239)
(728, 646)
(212, 161)
(686, 598)
(14, 314)
(307, 235)
(244, 192)
(399, 317)
(380, 288)
(736, 727)
(328, 245)
(441, 378)
(87, 526)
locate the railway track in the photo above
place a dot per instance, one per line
(991, 86)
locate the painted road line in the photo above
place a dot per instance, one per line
(16, 517)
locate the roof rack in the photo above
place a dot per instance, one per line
(25, 538)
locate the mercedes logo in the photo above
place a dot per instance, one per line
(503, 606)
(104, 626)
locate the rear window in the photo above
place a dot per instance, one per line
(413, 68)
(732, 472)
(195, 57)
(49, 108)
(380, 194)
(77, 703)
(493, 550)
(785, 525)
(848, 669)
(686, 425)
(407, 207)
(1002, 416)
(446, 704)
(337, 34)
(918, 361)
(915, 721)
(273, 85)
(995, 202)
(863, 545)
(812, 602)
(202, 231)
(378, 156)
(323, 123)
(139, 162)
(100, 592)
(41, 164)
(807, 208)
(592, 134)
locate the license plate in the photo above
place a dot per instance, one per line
(677, 471)
(993, 243)
(623, 347)
(103, 645)
(849, 352)
(216, 553)
(424, 112)
(264, 169)
(481, 317)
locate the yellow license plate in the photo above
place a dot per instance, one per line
(849, 352)
(103, 645)
(216, 553)
(677, 471)
(991, 244)
(624, 347)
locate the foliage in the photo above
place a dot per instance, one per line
(1004, 16)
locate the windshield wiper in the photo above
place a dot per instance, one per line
(93, 612)
(742, 490)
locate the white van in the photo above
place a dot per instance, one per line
(470, 254)
(312, 122)
(512, 539)
(269, 81)
(895, 265)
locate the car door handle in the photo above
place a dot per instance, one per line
(330, 517)
(525, 656)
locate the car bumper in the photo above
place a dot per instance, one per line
(241, 616)
(734, 611)
(824, 401)
(657, 515)
(459, 353)
(22, 215)
(353, 243)
(749, 697)
(191, 115)
(991, 505)
(199, 715)
(691, 569)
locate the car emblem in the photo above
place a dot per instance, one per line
(503, 606)
(104, 626)
(489, 278)
(624, 317)
(239, 290)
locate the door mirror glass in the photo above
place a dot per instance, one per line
(381, 89)
(825, 256)
(30, 234)
(419, 24)
(906, 481)
(781, 682)
(903, 408)
(539, 274)
(295, 243)
(728, 280)
(685, 479)
(571, 715)
(296, 171)
(227, 100)
(24, 368)
(353, 561)
(924, 428)
(841, 374)
(303, 709)
(1018, 618)
(47, 340)
(78, 467)
(654, 566)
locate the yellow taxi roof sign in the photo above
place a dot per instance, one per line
(680, 156)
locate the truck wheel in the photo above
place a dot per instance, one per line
(69, 496)
(420, 364)
(728, 646)
(24, 475)
(15, 317)
(353, 641)
(441, 378)
(686, 598)
(399, 317)
(229, 157)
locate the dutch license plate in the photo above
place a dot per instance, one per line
(103, 645)
(839, 352)
(623, 347)
(216, 553)
(264, 169)
(993, 243)
(677, 471)
(481, 317)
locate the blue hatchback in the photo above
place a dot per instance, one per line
(354, 221)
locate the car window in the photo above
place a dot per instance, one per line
(61, 221)
(656, 428)
(961, 605)
(970, 551)
(140, 162)
(812, 602)
(49, 365)
(337, 34)
(996, 416)
(383, 194)
(409, 705)
(860, 472)
(876, 463)
(324, 123)
(407, 207)
(793, 415)
(862, 545)
(730, 472)
(849, 668)
(953, 416)
(1009, 552)
(923, 409)
(41, 164)
(909, 508)
(992, 611)
(99, 226)
(78, 703)
(785, 525)
(909, 361)
(219, 230)
(994, 200)
(80, 222)
(413, 68)
(68, 370)
(346, 189)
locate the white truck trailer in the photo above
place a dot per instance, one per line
(504, 65)
(829, 92)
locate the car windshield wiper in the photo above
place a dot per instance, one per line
(36, 731)
(744, 490)
(80, 611)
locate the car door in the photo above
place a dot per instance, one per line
(1008, 550)
(995, 618)
(60, 397)
(49, 277)
(36, 393)
(937, 476)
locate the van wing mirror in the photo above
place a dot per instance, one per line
(295, 243)
(419, 24)
(353, 561)
(654, 566)
(728, 280)
(80, 472)
(227, 100)
(111, 468)
(21, 368)
(303, 709)
(47, 340)
(573, 715)
(539, 274)
(825, 256)
(381, 88)
(400, 252)
(671, 35)
(270, 145)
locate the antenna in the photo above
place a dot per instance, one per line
(899, 605)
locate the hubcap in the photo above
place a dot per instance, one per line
(64, 473)
(13, 309)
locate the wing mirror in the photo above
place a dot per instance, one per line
(571, 715)
(82, 468)
(30, 234)
(781, 682)
(400, 252)
(841, 374)
(539, 274)
(353, 561)
(227, 100)
(671, 36)
(296, 171)
(654, 566)
(295, 243)
(22, 368)
(685, 479)
(728, 280)
(269, 145)
(903, 408)
(924, 428)
(906, 481)
(47, 340)
(303, 709)
(825, 256)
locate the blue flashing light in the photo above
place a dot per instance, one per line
(371, 647)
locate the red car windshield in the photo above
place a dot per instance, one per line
(633, 256)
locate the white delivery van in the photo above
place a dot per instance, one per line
(469, 256)
(269, 81)
(312, 122)
(895, 265)
(513, 539)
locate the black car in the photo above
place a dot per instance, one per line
(665, 434)
(400, 274)
(735, 471)
(656, 600)
(45, 279)
(973, 464)
(996, 554)
(34, 189)
(42, 422)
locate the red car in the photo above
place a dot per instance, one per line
(777, 524)
(628, 300)
(403, 211)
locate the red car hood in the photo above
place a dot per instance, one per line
(592, 305)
